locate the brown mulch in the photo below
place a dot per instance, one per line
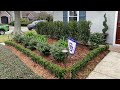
(85, 71)
(38, 69)
(81, 51)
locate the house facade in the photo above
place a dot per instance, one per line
(30, 15)
(6, 17)
(97, 18)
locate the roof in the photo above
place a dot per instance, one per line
(26, 13)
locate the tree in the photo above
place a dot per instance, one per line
(17, 26)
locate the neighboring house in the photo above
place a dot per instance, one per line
(30, 15)
(6, 17)
(97, 18)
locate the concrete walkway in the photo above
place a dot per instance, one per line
(108, 68)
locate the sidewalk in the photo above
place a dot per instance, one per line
(108, 68)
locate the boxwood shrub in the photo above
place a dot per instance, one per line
(79, 64)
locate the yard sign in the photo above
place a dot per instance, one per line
(71, 45)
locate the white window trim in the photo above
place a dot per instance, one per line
(72, 16)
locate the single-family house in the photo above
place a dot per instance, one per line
(97, 18)
(6, 17)
(30, 15)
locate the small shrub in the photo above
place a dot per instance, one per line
(18, 38)
(40, 38)
(30, 34)
(23, 21)
(97, 38)
(56, 50)
(44, 48)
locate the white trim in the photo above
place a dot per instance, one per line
(72, 16)
(115, 28)
(8, 13)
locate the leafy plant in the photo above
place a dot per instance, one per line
(84, 31)
(23, 21)
(97, 38)
(18, 38)
(56, 50)
(58, 29)
(40, 38)
(44, 48)
(63, 43)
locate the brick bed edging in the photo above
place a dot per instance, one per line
(57, 70)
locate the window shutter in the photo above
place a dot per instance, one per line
(65, 16)
(82, 15)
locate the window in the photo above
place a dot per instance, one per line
(73, 16)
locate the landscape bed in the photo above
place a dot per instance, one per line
(45, 47)
(73, 66)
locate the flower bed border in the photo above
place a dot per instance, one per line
(57, 70)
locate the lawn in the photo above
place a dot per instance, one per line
(11, 67)
(4, 38)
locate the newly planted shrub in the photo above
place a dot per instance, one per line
(18, 38)
(44, 48)
(56, 50)
(97, 38)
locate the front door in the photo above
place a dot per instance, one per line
(118, 29)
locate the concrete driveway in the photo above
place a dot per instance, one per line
(24, 29)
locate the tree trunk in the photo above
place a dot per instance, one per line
(17, 26)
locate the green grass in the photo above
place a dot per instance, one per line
(11, 67)
(4, 38)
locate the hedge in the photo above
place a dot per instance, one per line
(57, 70)
(77, 30)
(81, 63)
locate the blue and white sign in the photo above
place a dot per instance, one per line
(71, 45)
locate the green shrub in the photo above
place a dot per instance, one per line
(63, 43)
(18, 38)
(23, 21)
(40, 38)
(43, 48)
(56, 50)
(84, 31)
(79, 64)
(30, 34)
(58, 29)
(57, 70)
(97, 38)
